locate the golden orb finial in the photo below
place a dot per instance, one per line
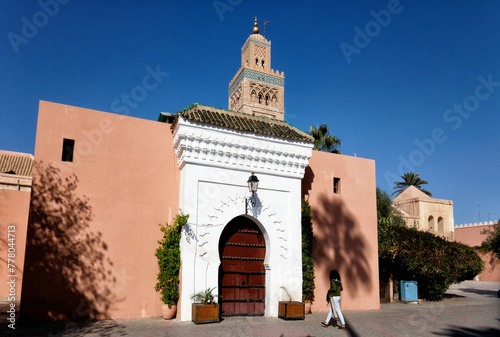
(255, 27)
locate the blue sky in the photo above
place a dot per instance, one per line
(414, 85)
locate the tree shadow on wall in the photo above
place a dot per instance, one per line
(492, 263)
(342, 245)
(67, 274)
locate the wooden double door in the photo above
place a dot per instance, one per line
(242, 275)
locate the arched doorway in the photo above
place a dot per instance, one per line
(242, 277)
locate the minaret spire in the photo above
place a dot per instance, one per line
(255, 27)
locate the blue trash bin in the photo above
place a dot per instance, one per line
(409, 291)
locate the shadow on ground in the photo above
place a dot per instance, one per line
(52, 329)
(452, 296)
(483, 292)
(459, 331)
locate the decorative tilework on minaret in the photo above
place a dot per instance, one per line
(256, 89)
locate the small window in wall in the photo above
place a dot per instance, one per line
(430, 222)
(336, 185)
(256, 62)
(440, 225)
(68, 149)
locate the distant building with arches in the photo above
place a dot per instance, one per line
(426, 213)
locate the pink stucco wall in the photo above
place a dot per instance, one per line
(14, 207)
(472, 236)
(93, 225)
(345, 228)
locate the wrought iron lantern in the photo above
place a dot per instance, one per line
(253, 185)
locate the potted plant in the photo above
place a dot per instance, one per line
(204, 309)
(169, 262)
(308, 285)
(290, 309)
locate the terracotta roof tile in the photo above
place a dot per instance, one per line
(16, 163)
(242, 122)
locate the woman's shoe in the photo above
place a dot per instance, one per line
(342, 327)
(325, 324)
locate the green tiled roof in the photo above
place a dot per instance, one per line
(243, 122)
(16, 163)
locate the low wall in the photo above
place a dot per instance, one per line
(471, 235)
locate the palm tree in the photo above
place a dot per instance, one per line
(410, 179)
(323, 141)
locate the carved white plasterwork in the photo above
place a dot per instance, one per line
(261, 210)
(214, 146)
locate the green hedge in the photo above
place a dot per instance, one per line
(307, 253)
(424, 257)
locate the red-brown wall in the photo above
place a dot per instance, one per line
(14, 207)
(345, 228)
(93, 225)
(472, 236)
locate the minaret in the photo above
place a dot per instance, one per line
(256, 89)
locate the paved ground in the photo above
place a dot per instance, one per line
(470, 309)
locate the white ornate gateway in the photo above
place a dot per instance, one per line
(246, 249)
(215, 164)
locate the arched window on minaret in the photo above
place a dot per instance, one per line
(253, 96)
(267, 99)
(260, 98)
(263, 63)
(256, 61)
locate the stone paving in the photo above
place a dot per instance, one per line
(469, 309)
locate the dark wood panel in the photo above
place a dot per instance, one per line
(243, 273)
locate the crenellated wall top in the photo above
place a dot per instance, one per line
(476, 224)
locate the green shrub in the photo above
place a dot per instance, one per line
(307, 253)
(432, 261)
(169, 259)
(492, 241)
(205, 296)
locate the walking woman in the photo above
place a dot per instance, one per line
(334, 293)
